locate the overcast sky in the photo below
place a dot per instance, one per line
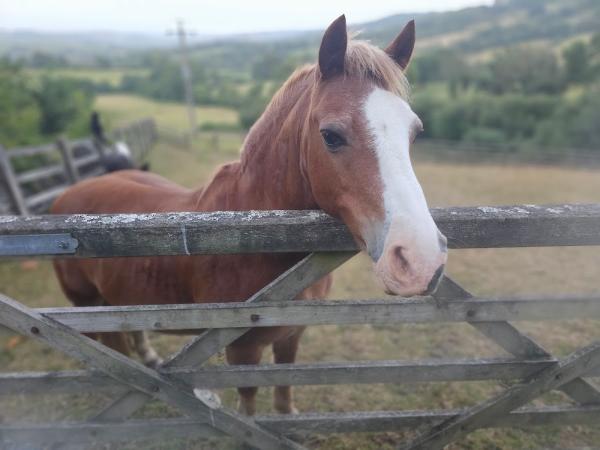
(207, 16)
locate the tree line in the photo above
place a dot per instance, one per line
(34, 110)
(530, 96)
(525, 95)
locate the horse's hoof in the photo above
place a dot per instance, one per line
(287, 410)
(154, 363)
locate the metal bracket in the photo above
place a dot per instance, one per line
(38, 244)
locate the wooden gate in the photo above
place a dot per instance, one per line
(328, 245)
(64, 162)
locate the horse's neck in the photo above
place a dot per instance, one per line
(269, 174)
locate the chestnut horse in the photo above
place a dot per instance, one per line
(336, 137)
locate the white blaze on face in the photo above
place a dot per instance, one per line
(407, 244)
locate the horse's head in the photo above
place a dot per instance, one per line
(356, 157)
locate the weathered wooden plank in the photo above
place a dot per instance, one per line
(308, 423)
(64, 147)
(83, 142)
(514, 342)
(502, 333)
(320, 312)
(285, 287)
(44, 197)
(354, 372)
(135, 375)
(79, 434)
(305, 231)
(381, 421)
(483, 414)
(31, 151)
(14, 189)
(66, 382)
(288, 285)
(41, 173)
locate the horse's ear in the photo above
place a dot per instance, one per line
(401, 48)
(333, 48)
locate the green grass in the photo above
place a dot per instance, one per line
(112, 77)
(499, 272)
(120, 109)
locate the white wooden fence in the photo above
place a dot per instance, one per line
(328, 245)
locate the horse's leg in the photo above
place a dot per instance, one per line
(246, 353)
(284, 351)
(144, 349)
(77, 288)
(117, 341)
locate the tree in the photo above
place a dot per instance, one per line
(528, 70)
(253, 105)
(577, 63)
(61, 102)
(31, 113)
(440, 64)
(47, 61)
(19, 114)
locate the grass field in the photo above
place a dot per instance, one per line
(119, 109)
(111, 77)
(501, 272)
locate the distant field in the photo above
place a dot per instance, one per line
(501, 272)
(488, 54)
(112, 77)
(120, 109)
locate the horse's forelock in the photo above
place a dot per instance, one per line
(366, 61)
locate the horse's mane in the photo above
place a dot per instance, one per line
(363, 60)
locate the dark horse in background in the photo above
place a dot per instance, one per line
(118, 157)
(335, 137)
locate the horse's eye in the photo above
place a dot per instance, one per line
(332, 140)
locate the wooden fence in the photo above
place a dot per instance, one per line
(62, 164)
(327, 244)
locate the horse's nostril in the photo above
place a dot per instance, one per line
(443, 241)
(400, 258)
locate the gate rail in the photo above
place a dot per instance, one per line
(328, 245)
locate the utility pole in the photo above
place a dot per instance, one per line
(186, 74)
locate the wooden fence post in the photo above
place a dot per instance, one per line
(65, 151)
(14, 188)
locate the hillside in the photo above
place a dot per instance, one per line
(475, 31)
(506, 23)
